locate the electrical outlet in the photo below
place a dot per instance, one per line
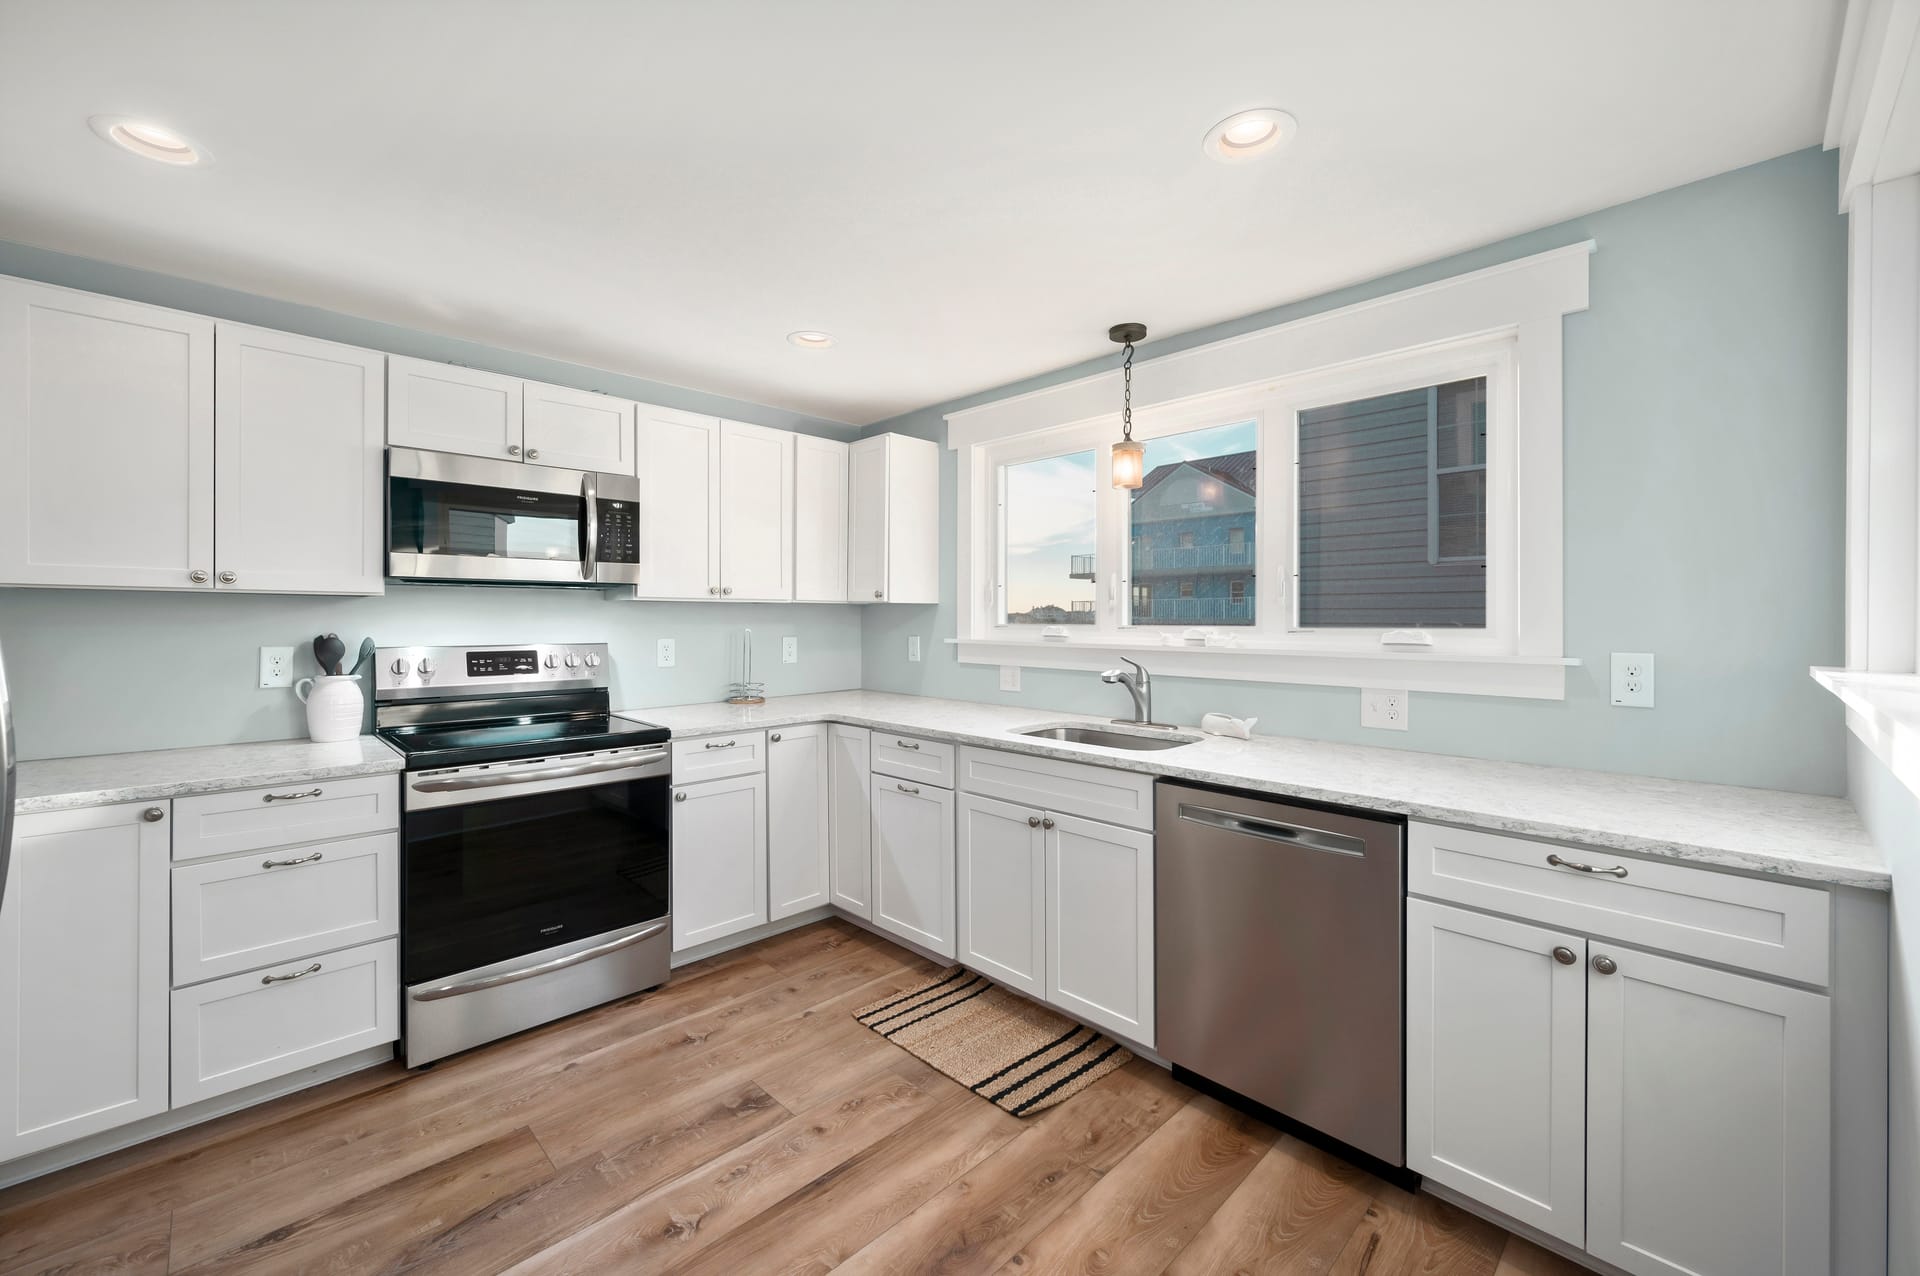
(1633, 679)
(663, 656)
(1386, 710)
(276, 666)
(1009, 677)
(789, 650)
(913, 646)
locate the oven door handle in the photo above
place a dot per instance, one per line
(456, 783)
(590, 557)
(442, 991)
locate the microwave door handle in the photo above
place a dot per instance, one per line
(590, 556)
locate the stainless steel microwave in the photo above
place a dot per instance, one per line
(466, 518)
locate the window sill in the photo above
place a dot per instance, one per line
(1884, 711)
(1456, 673)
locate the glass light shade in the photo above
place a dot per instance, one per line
(1129, 464)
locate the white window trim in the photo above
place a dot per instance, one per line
(1517, 307)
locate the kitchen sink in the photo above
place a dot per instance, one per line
(1109, 739)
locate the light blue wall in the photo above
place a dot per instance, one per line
(1705, 444)
(96, 671)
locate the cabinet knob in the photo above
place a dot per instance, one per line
(679, 795)
(533, 454)
(726, 589)
(197, 576)
(879, 593)
(1033, 821)
(154, 814)
(1046, 822)
(713, 589)
(227, 578)
(1564, 955)
(1604, 964)
(775, 737)
(513, 449)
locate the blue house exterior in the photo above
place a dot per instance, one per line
(1193, 542)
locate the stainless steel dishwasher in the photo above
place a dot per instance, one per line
(1278, 939)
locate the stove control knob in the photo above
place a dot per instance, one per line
(553, 661)
(573, 661)
(593, 661)
(401, 666)
(426, 666)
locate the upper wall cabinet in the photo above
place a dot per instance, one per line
(819, 520)
(444, 408)
(893, 520)
(106, 424)
(297, 461)
(716, 508)
(756, 513)
(577, 429)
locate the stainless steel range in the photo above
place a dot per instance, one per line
(535, 833)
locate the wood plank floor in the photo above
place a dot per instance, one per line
(736, 1121)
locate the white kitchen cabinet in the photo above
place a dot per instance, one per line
(893, 520)
(797, 820)
(1001, 854)
(1708, 1136)
(1496, 1063)
(913, 872)
(445, 408)
(819, 520)
(1100, 924)
(850, 822)
(298, 436)
(83, 975)
(679, 471)
(576, 429)
(756, 513)
(719, 859)
(107, 427)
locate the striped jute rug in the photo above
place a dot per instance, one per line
(998, 1044)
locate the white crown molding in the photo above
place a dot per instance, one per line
(1879, 48)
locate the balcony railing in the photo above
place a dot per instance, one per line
(1080, 605)
(1080, 567)
(1194, 611)
(1192, 558)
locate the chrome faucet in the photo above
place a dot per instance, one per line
(1139, 685)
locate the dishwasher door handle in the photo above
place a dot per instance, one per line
(1300, 835)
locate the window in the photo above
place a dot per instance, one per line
(1186, 540)
(1190, 520)
(1048, 512)
(1457, 508)
(1237, 589)
(1186, 587)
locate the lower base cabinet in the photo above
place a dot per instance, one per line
(1002, 881)
(797, 810)
(850, 823)
(913, 873)
(719, 859)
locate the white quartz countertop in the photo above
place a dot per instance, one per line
(1789, 835)
(59, 784)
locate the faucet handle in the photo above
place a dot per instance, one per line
(1139, 669)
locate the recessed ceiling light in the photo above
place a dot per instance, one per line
(153, 141)
(1249, 133)
(811, 340)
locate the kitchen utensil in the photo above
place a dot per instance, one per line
(329, 651)
(366, 654)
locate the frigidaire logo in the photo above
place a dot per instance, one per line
(531, 500)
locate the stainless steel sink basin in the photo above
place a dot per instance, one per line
(1109, 739)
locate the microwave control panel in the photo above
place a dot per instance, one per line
(619, 531)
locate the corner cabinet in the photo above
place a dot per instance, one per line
(850, 824)
(797, 820)
(83, 975)
(893, 520)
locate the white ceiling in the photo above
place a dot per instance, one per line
(964, 194)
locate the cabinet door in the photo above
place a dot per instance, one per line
(1708, 1137)
(867, 521)
(913, 863)
(756, 513)
(797, 823)
(819, 520)
(1001, 849)
(106, 424)
(298, 432)
(1100, 924)
(444, 408)
(719, 859)
(1496, 1063)
(678, 458)
(577, 429)
(851, 822)
(83, 975)
(913, 519)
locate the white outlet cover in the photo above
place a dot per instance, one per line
(1384, 710)
(276, 666)
(789, 650)
(1633, 679)
(664, 653)
(1009, 677)
(913, 646)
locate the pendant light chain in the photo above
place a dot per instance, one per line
(1126, 412)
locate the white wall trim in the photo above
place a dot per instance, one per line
(1879, 43)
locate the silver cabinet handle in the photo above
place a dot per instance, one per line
(907, 788)
(1564, 955)
(727, 745)
(1557, 862)
(1033, 821)
(1605, 964)
(227, 578)
(590, 497)
(679, 795)
(775, 737)
(726, 589)
(154, 814)
(907, 744)
(1046, 821)
(288, 797)
(197, 576)
(533, 454)
(298, 974)
(513, 449)
(304, 859)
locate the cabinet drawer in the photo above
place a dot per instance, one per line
(1772, 927)
(235, 914)
(716, 757)
(913, 758)
(1065, 788)
(284, 815)
(243, 1029)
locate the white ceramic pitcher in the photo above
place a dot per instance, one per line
(335, 706)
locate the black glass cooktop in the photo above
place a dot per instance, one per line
(429, 747)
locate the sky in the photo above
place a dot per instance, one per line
(1051, 511)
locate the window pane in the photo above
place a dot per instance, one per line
(1048, 511)
(1393, 510)
(1192, 528)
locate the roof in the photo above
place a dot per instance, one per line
(1236, 468)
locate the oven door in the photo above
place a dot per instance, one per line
(467, 518)
(509, 860)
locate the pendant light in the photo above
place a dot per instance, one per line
(1129, 458)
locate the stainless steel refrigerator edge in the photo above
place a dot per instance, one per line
(1278, 934)
(8, 757)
